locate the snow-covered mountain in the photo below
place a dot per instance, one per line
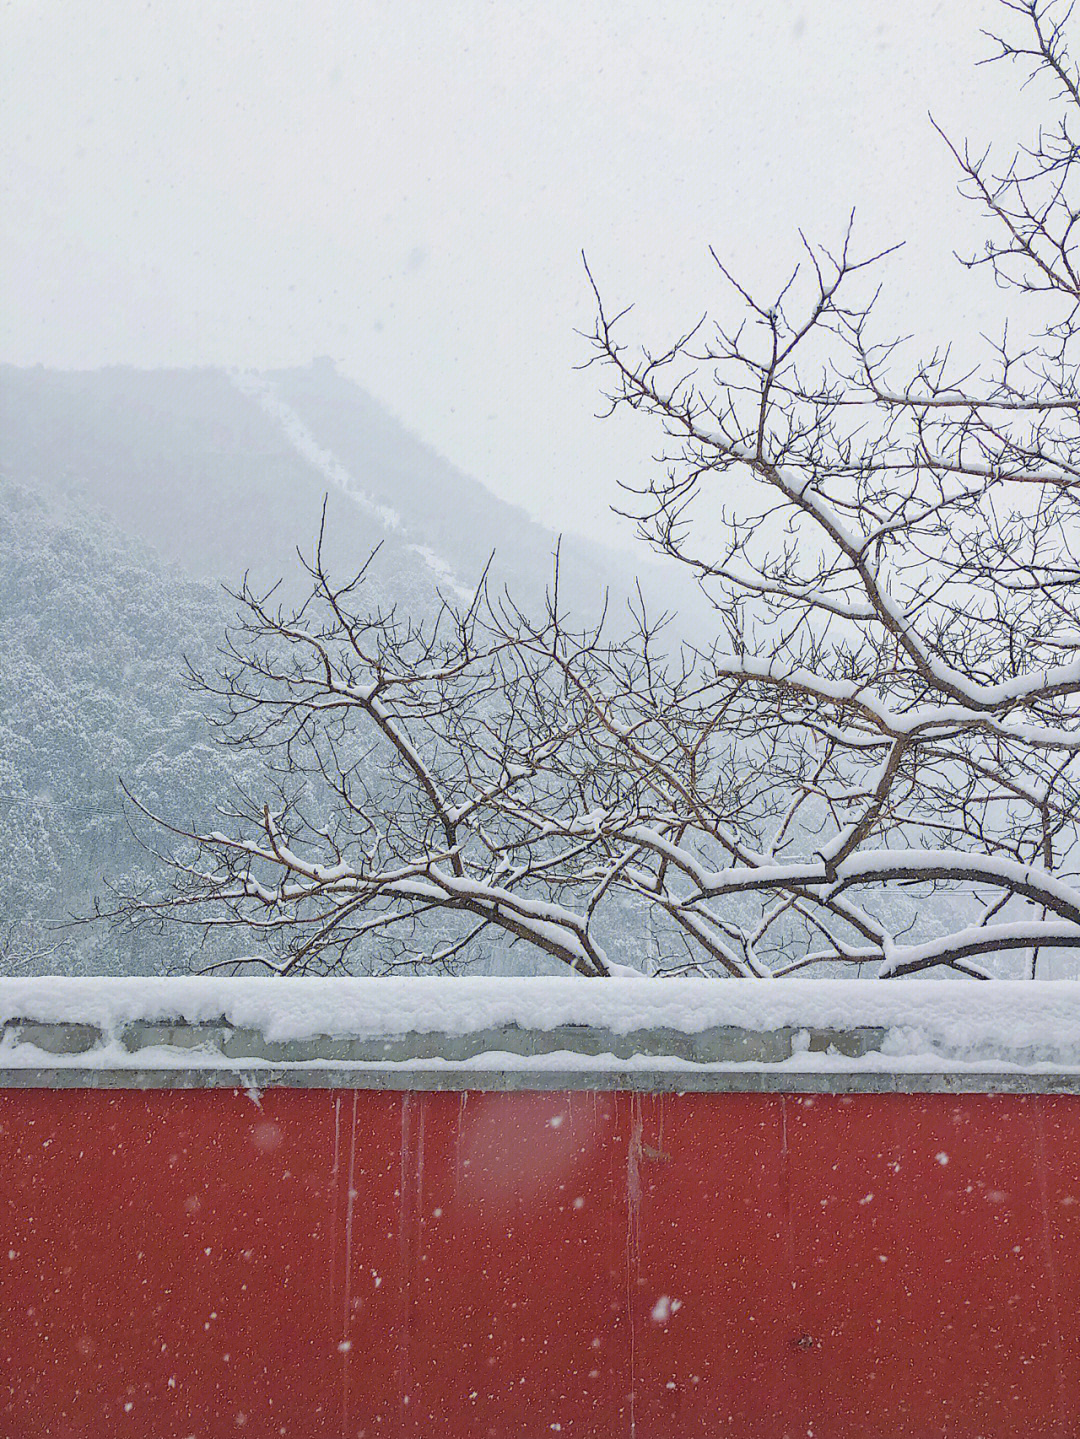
(225, 473)
(127, 498)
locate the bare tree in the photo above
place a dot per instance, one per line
(874, 762)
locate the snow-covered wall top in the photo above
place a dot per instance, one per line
(298, 1009)
(514, 1024)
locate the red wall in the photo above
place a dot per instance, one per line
(520, 1266)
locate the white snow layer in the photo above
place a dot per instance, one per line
(1014, 1021)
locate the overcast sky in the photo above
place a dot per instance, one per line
(408, 186)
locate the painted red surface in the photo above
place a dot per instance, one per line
(520, 1266)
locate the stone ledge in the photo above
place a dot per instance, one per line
(658, 1080)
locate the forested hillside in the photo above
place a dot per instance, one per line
(95, 628)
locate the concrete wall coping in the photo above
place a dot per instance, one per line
(145, 1054)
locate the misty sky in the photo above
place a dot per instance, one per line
(408, 186)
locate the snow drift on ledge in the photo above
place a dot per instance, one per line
(968, 1021)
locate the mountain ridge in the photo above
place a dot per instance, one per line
(191, 462)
